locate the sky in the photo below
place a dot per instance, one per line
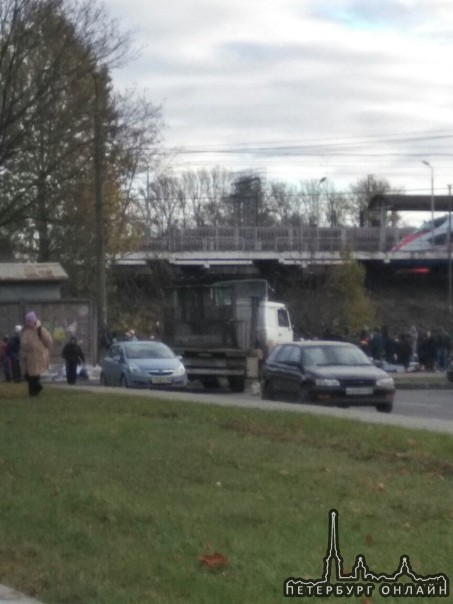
(299, 90)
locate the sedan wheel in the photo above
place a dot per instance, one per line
(303, 394)
(384, 407)
(267, 392)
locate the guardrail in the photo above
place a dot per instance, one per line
(278, 239)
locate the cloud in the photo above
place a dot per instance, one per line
(281, 75)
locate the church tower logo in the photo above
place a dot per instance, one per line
(361, 581)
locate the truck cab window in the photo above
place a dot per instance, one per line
(283, 318)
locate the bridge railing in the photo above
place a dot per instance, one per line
(278, 239)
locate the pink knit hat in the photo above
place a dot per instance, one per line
(30, 318)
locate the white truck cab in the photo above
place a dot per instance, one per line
(273, 326)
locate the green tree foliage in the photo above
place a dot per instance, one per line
(349, 307)
(56, 58)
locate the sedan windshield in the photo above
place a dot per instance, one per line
(334, 355)
(147, 350)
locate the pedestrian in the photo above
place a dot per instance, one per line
(443, 346)
(4, 360)
(13, 354)
(73, 356)
(35, 343)
(377, 345)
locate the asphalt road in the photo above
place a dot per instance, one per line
(419, 409)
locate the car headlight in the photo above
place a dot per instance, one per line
(327, 382)
(135, 369)
(179, 371)
(386, 382)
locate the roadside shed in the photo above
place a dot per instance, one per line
(23, 281)
(37, 286)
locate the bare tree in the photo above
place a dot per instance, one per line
(284, 203)
(362, 192)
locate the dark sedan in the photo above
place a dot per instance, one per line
(328, 373)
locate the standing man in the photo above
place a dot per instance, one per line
(35, 343)
(73, 356)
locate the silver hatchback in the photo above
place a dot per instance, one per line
(142, 364)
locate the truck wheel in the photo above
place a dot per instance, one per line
(236, 383)
(211, 382)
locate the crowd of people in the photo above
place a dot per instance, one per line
(24, 355)
(424, 350)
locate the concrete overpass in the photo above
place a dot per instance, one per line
(298, 246)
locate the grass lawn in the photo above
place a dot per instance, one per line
(117, 499)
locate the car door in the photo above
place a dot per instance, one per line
(293, 372)
(113, 365)
(287, 371)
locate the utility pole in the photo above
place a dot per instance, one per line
(101, 304)
(449, 253)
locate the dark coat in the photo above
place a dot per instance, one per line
(72, 353)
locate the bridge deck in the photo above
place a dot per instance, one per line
(287, 245)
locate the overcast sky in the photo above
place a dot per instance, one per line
(300, 89)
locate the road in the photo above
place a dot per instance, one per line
(425, 403)
(420, 409)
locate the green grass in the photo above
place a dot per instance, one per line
(115, 499)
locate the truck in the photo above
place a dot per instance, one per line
(223, 330)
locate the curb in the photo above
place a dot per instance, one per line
(11, 596)
(423, 386)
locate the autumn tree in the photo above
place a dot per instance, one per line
(46, 48)
(56, 58)
(349, 306)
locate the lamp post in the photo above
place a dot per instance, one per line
(432, 197)
(318, 194)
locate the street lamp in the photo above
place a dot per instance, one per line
(432, 186)
(318, 194)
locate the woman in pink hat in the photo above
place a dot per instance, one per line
(35, 343)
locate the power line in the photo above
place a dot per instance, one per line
(311, 146)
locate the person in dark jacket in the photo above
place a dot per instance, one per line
(73, 356)
(12, 353)
(4, 360)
